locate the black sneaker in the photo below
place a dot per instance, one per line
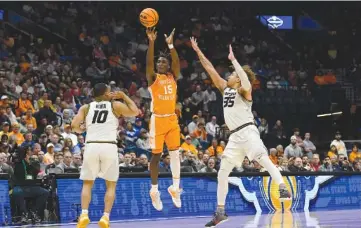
(284, 194)
(218, 218)
(35, 218)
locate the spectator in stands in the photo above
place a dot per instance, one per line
(81, 144)
(210, 168)
(297, 165)
(164, 166)
(28, 142)
(48, 113)
(126, 161)
(5, 129)
(4, 167)
(211, 128)
(16, 135)
(192, 126)
(209, 100)
(23, 104)
(340, 145)
(188, 146)
(131, 134)
(278, 130)
(335, 163)
(77, 161)
(190, 161)
(280, 151)
(197, 98)
(326, 166)
(305, 162)
(67, 134)
(357, 165)
(263, 128)
(355, 153)
(273, 156)
(215, 149)
(10, 115)
(293, 150)
(49, 156)
(144, 92)
(296, 133)
(143, 162)
(308, 146)
(66, 163)
(54, 139)
(52, 168)
(143, 140)
(315, 163)
(29, 119)
(201, 133)
(332, 151)
(3, 117)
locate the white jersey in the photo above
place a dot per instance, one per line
(101, 122)
(237, 110)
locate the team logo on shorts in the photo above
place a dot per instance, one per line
(263, 192)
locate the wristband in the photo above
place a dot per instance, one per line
(170, 46)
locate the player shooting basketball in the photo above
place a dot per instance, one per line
(164, 122)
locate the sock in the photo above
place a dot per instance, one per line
(154, 188)
(175, 167)
(106, 214)
(84, 211)
(272, 169)
(220, 209)
(222, 188)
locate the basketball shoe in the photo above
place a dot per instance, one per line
(104, 222)
(83, 221)
(156, 201)
(175, 194)
(217, 219)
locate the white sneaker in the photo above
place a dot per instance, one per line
(156, 201)
(175, 194)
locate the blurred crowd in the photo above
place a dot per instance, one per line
(43, 84)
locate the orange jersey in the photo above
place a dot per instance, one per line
(164, 94)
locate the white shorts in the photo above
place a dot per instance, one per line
(100, 160)
(245, 142)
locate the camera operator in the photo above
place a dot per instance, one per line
(25, 174)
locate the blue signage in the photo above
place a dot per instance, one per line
(276, 22)
(247, 195)
(5, 210)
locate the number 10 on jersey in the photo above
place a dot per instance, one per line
(100, 116)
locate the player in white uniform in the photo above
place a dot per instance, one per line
(245, 138)
(100, 121)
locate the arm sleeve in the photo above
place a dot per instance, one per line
(242, 75)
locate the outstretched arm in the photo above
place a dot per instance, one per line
(246, 84)
(126, 109)
(173, 54)
(150, 73)
(219, 82)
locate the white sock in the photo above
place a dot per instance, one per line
(222, 188)
(272, 169)
(175, 166)
(154, 188)
(106, 214)
(84, 211)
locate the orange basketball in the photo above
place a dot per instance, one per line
(149, 17)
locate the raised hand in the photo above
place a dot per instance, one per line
(194, 44)
(117, 95)
(152, 34)
(231, 55)
(169, 39)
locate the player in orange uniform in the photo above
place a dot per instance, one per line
(164, 126)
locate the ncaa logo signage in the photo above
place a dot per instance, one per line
(263, 192)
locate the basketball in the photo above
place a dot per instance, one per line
(149, 17)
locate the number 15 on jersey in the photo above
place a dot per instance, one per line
(168, 89)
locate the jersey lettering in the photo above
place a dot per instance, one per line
(168, 89)
(100, 116)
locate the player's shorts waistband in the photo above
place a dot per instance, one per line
(108, 142)
(241, 127)
(163, 115)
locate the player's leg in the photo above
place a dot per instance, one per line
(229, 159)
(156, 138)
(109, 171)
(172, 140)
(88, 173)
(258, 152)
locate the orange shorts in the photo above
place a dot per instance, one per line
(164, 130)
